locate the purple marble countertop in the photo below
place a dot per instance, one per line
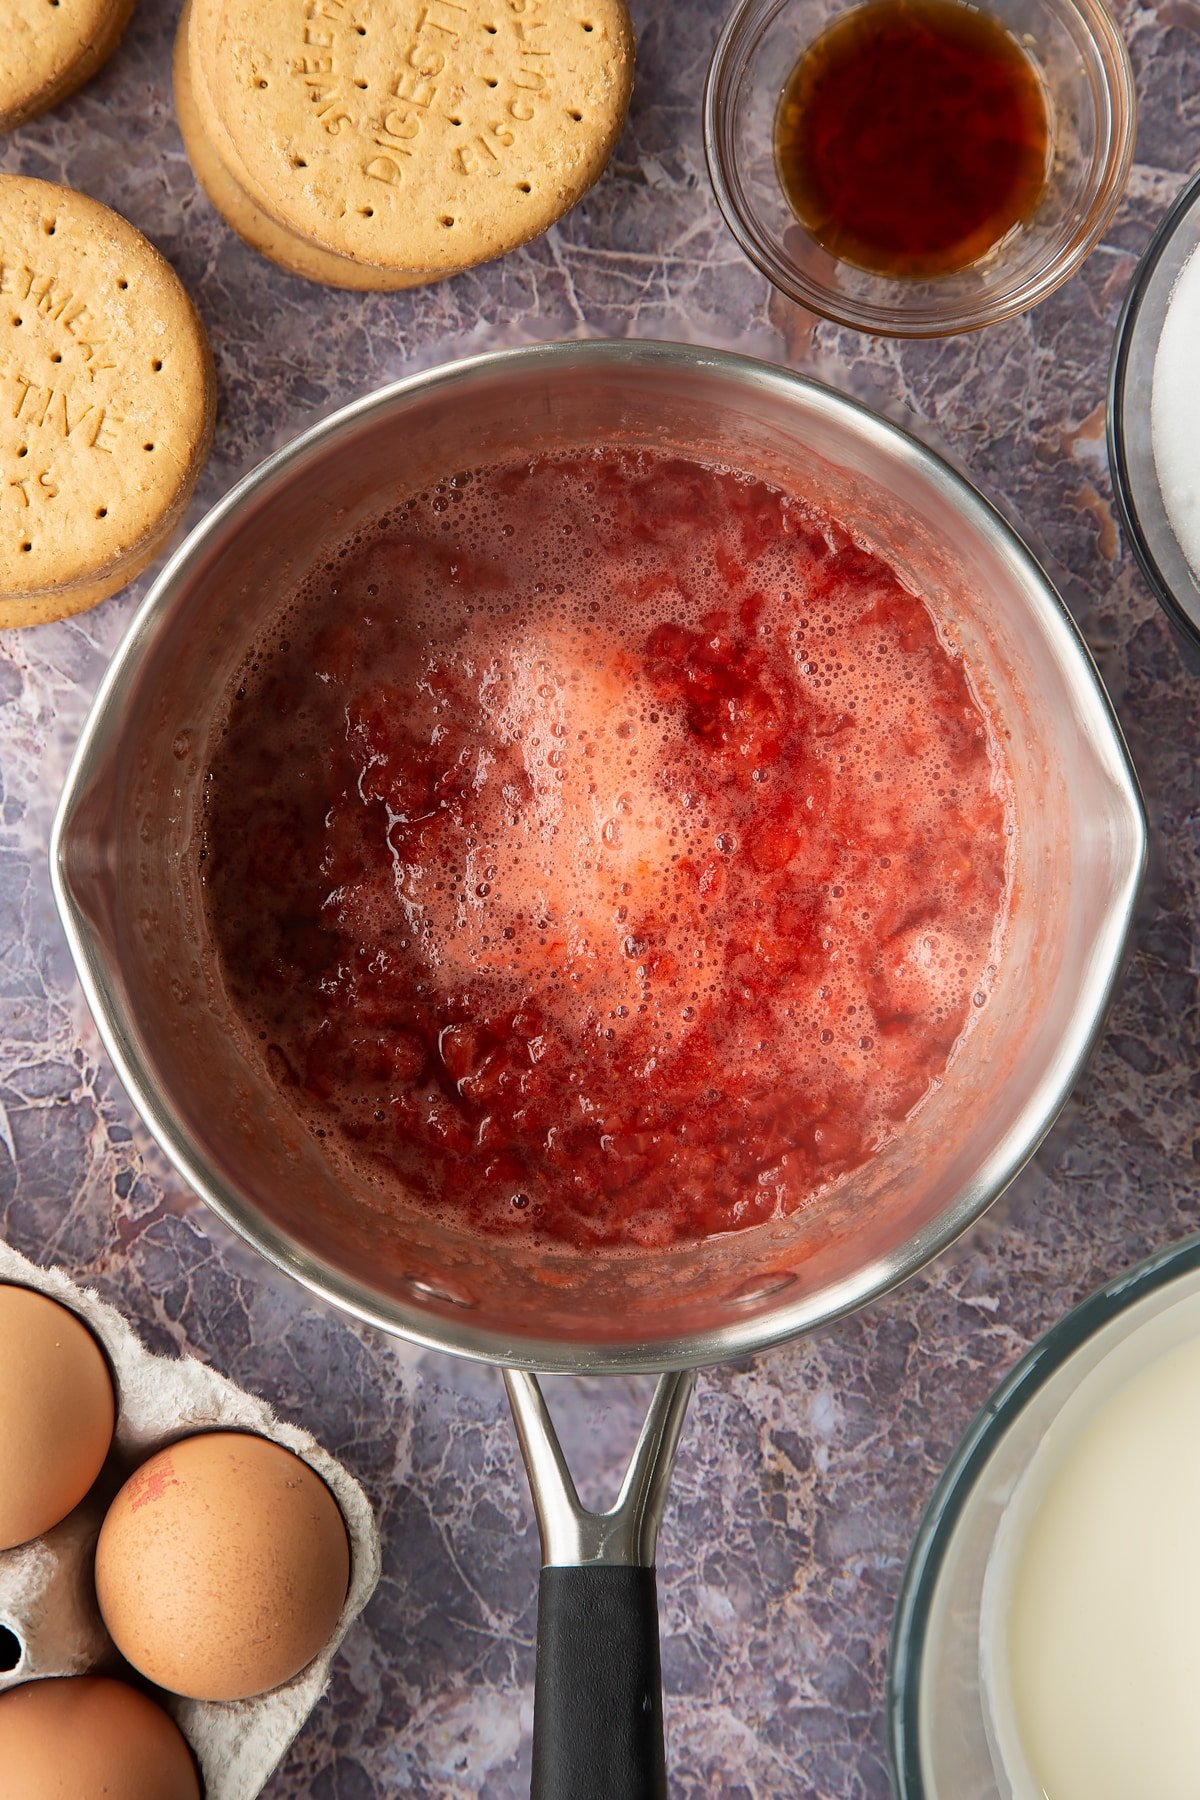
(803, 1473)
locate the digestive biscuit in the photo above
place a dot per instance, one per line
(414, 134)
(51, 47)
(64, 602)
(107, 400)
(235, 206)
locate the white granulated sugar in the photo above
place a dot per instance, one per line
(1175, 411)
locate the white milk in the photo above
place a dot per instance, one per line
(1091, 1648)
(1175, 412)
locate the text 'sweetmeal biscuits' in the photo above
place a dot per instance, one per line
(235, 206)
(48, 48)
(414, 134)
(107, 400)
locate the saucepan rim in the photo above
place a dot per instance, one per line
(460, 1335)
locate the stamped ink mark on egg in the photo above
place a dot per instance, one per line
(151, 1483)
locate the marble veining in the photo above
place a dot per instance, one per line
(802, 1473)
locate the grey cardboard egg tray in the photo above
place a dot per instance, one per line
(47, 1598)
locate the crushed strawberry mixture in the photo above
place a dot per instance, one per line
(606, 848)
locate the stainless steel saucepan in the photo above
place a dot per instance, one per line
(126, 878)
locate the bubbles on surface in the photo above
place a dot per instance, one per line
(678, 777)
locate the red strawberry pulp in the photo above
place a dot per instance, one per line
(606, 848)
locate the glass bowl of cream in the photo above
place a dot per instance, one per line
(1044, 1642)
(1154, 412)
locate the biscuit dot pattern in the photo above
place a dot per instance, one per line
(488, 95)
(607, 849)
(89, 300)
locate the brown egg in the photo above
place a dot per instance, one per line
(56, 1413)
(222, 1566)
(85, 1737)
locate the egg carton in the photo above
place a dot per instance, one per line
(49, 1621)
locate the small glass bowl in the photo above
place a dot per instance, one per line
(1089, 83)
(941, 1725)
(1130, 452)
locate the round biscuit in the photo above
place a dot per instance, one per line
(50, 48)
(239, 212)
(415, 134)
(65, 602)
(107, 394)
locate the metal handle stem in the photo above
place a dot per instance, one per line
(627, 1534)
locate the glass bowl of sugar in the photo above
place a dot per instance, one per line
(1154, 413)
(1044, 1634)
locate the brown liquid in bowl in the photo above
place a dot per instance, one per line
(912, 136)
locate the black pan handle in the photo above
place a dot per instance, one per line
(597, 1710)
(598, 1714)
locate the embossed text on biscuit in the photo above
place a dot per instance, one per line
(55, 301)
(317, 68)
